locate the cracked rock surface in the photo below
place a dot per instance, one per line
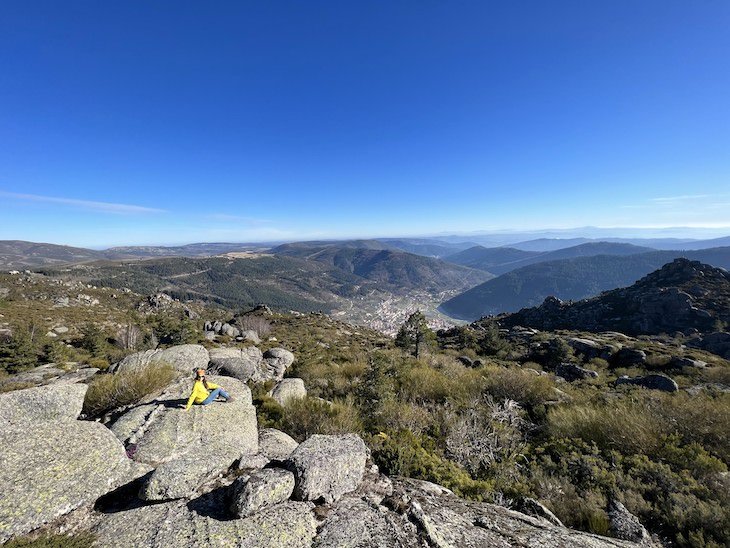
(185, 358)
(188, 447)
(51, 468)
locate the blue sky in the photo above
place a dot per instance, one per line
(180, 121)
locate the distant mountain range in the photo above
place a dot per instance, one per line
(567, 279)
(19, 254)
(682, 295)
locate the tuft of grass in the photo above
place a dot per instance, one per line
(107, 392)
(524, 387)
(625, 425)
(306, 416)
(12, 386)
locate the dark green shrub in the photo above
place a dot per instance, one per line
(402, 454)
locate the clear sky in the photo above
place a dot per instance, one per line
(179, 121)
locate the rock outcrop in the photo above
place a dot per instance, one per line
(243, 364)
(275, 444)
(327, 467)
(43, 403)
(185, 358)
(52, 463)
(681, 296)
(249, 494)
(624, 525)
(277, 361)
(573, 372)
(204, 522)
(653, 382)
(188, 447)
(250, 364)
(287, 390)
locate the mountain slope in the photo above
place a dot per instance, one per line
(19, 254)
(426, 247)
(486, 258)
(281, 282)
(499, 260)
(397, 271)
(573, 279)
(681, 295)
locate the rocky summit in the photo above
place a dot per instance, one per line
(682, 296)
(159, 475)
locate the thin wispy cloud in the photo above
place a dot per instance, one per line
(676, 202)
(106, 207)
(672, 199)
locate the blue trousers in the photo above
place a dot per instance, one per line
(214, 394)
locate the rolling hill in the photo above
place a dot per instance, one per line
(284, 283)
(394, 270)
(486, 258)
(19, 254)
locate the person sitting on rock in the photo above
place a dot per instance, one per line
(205, 392)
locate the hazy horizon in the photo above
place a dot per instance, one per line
(139, 124)
(509, 236)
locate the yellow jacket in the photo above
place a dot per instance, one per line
(199, 393)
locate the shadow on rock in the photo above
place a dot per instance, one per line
(213, 504)
(123, 498)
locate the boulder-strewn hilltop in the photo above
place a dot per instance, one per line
(157, 475)
(682, 295)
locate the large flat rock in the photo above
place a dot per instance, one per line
(42, 403)
(188, 447)
(51, 468)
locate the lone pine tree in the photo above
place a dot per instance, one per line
(415, 335)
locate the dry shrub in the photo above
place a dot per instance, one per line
(718, 375)
(259, 324)
(524, 387)
(397, 415)
(625, 425)
(107, 392)
(306, 416)
(702, 419)
(486, 438)
(451, 382)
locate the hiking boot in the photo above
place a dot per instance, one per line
(230, 399)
